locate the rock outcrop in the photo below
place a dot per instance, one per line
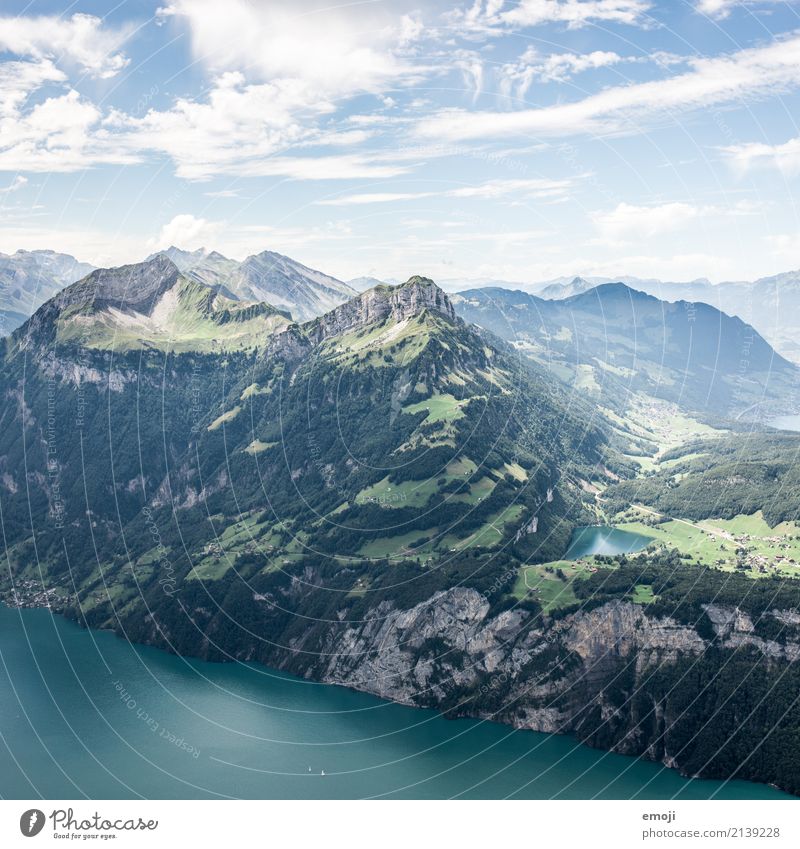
(383, 303)
(594, 673)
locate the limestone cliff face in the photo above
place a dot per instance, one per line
(136, 287)
(580, 674)
(133, 287)
(382, 303)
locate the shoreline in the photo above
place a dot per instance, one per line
(451, 714)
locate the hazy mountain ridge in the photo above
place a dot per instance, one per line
(771, 304)
(270, 277)
(29, 278)
(612, 339)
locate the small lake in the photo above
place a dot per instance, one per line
(786, 423)
(87, 714)
(602, 539)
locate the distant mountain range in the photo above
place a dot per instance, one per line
(280, 281)
(612, 340)
(29, 278)
(770, 304)
(361, 284)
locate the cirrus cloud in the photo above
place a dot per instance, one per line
(749, 73)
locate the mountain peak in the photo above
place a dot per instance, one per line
(287, 284)
(416, 294)
(379, 304)
(616, 289)
(137, 286)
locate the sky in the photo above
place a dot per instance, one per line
(516, 140)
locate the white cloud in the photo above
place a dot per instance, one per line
(628, 222)
(15, 185)
(245, 129)
(720, 9)
(575, 13)
(19, 79)
(492, 16)
(523, 188)
(337, 49)
(374, 197)
(82, 40)
(517, 77)
(715, 8)
(785, 157)
(753, 72)
(223, 193)
(239, 127)
(278, 69)
(538, 188)
(471, 68)
(187, 232)
(59, 134)
(237, 123)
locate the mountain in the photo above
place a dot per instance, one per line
(770, 304)
(458, 284)
(149, 305)
(208, 267)
(288, 284)
(361, 284)
(613, 340)
(29, 278)
(561, 287)
(359, 499)
(266, 277)
(393, 391)
(384, 441)
(556, 291)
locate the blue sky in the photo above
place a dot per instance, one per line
(513, 140)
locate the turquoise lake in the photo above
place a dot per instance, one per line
(601, 539)
(86, 714)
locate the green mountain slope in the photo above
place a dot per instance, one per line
(385, 432)
(151, 305)
(740, 475)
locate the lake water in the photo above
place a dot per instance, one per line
(601, 539)
(786, 423)
(85, 714)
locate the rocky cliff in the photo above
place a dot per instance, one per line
(382, 303)
(612, 675)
